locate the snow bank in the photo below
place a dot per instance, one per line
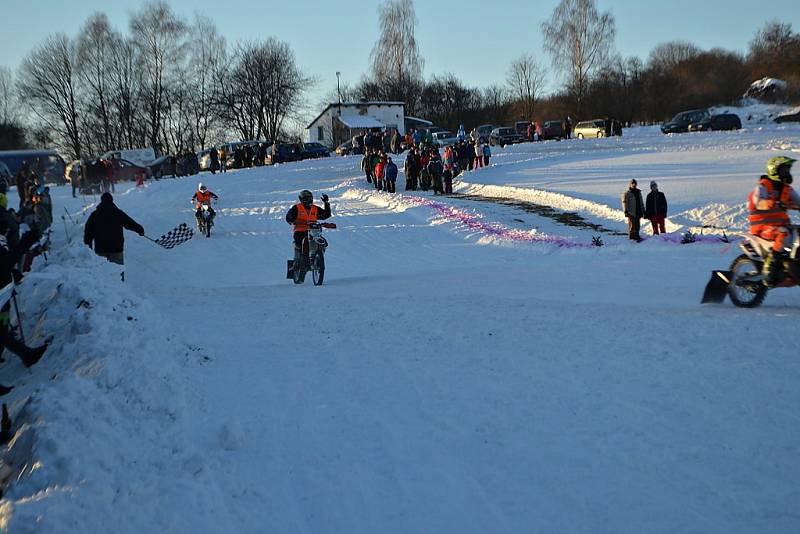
(100, 425)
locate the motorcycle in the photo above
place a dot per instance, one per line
(312, 256)
(744, 282)
(205, 221)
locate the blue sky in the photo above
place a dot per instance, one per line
(474, 39)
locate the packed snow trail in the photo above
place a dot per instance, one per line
(434, 384)
(444, 379)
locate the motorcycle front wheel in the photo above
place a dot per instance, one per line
(318, 272)
(746, 289)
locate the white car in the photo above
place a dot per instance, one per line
(590, 129)
(445, 138)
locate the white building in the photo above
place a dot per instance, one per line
(339, 122)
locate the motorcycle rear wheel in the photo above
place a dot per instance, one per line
(746, 294)
(318, 270)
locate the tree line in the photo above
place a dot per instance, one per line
(596, 81)
(174, 84)
(167, 83)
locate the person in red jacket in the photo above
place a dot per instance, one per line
(379, 172)
(767, 205)
(304, 213)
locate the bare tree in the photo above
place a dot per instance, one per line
(667, 56)
(159, 37)
(206, 53)
(9, 111)
(47, 84)
(264, 90)
(125, 92)
(94, 49)
(526, 78)
(396, 63)
(579, 38)
(775, 51)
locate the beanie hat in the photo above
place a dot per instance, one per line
(653, 184)
(106, 198)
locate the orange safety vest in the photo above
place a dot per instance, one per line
(203, 196)
(760, 219)
(304, 217)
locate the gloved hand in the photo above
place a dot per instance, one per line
(628, 215)
(324, 197)
(141, 233)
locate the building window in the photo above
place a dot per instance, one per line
(320, 133)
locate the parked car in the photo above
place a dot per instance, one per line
(444, 138)
(163, 166)
(590, 129)
(505, 136)
(284, 153)
(484, 131)
(345, 149)
(230, 150)
(553, 130)
(315, 150)
(680, 122)
(788, 117)
(723, 121)
(46, 163)
(125, 170)
(522, 128)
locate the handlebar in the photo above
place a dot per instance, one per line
(330, 226)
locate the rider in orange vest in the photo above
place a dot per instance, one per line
(203, 196)
(767, 205)
(304, 213)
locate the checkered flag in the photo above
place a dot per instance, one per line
(175, 237)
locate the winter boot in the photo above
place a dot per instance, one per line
(773, 268)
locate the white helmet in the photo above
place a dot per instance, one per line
(201, 187)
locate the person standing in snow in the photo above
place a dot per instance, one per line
(103, 230)
(487, 153)
(478, 156)
(633, 206)
(655, 209)
(390, 176)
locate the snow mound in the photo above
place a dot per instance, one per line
(101, 425)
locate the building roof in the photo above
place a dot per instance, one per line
(355, 104)
(360, 121)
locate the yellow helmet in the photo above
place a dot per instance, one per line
(774, 163)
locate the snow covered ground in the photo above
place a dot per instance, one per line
(467, 366)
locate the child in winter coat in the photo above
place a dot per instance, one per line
(487, 153)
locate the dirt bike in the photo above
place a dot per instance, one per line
(744, 282)
(205, 221)
(312, 256)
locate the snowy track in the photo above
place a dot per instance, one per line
(448, 380)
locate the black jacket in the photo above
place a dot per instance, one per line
(104, 227)
(656, 204)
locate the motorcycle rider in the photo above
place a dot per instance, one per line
(304, 213)
(200, 197)
(768, 204)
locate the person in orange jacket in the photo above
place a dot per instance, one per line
(767, 205)
(302, 214)
(203, 196)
